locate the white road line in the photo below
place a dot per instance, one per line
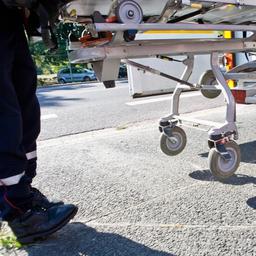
(173, 225)
(50, 116)
(166, 98)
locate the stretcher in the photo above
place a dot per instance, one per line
(110, 31)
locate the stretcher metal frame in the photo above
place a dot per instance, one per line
(224, 157)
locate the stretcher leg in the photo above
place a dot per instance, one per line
(189, 62)
(230, 125)
(225, 156)
(173, 139)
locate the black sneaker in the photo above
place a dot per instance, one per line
(41, 201)
(37, 225)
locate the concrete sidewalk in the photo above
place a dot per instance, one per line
(135, 201)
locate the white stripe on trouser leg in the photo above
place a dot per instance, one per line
(31, 155)
(11, 180)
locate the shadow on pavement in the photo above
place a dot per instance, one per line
(47, 100)
(252, 202)
(64, 87)
(236, 180)
(54, 101)
(81, 240)
(248, 152)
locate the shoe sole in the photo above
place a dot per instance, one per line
(44, 235)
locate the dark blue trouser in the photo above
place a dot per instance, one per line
(19, 108)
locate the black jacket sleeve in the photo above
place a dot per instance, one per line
(20, 3)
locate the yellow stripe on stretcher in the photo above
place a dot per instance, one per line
(227, 34)
(179, 32)
(231, 83)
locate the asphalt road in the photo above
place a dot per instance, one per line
(75, 109)
(133, 200)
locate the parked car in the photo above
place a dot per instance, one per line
(77, 75)
(122, 72)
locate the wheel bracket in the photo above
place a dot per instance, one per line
(167, 126)
(168, 131)
(223, 152)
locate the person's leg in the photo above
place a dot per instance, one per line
(16, 197)
(27, 222)
(14, 190)
(25, 83)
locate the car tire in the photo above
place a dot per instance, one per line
(62, 81)
(87, 79)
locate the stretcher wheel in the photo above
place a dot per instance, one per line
(129, 11)
(211, 144)
(208, 78)
(174, 144)
(221, 168)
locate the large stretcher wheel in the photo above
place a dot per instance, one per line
(129, 11)
(208, 78)
(221, 168)
(174, 144)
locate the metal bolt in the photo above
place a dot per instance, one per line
(131, 13)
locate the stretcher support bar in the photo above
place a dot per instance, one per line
(99, 27)
(145, 49)
(236, 2)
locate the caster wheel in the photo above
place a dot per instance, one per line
(129, 11)
(221, 168)
(208, 78)
(211, 144)
(175, 144)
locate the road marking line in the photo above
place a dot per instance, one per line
(167, 98)
(50, 116)
(173, 226)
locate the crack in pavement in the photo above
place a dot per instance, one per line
(170, 225)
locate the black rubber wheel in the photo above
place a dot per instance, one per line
(87, 79)
(128, 37)
(221, 168)
(175, 144)
(62, 81)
